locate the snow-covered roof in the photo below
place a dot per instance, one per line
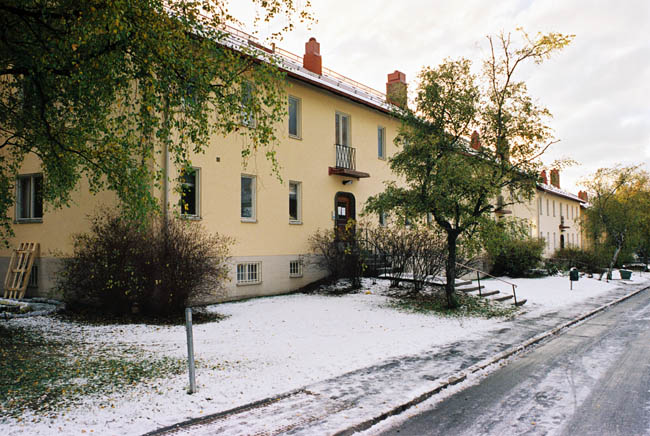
(293, 65)
(557, 191)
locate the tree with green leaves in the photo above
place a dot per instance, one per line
(97, 89)
(442, 175)
(618, 211)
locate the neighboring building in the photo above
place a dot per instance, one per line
(558, 215)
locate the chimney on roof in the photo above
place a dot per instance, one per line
(543, 177)
(475, 142)
(312, 60)
(396, 89)
(555, 178)
(583, 196)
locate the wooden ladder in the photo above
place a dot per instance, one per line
(20, 268)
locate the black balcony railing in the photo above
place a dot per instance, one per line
(346, 157)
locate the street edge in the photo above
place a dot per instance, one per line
(462, 375)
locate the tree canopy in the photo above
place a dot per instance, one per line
(618, 214)
(96, 88)
(458, 184)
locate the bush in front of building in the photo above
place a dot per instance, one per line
(339, 253)
(123, 268)
(418, 251)
(516, 257)
(591, 260)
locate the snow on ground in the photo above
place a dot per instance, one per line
(269, 346)
(555, 292)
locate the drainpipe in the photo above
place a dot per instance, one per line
(165, 205)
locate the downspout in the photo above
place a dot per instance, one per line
(165, 205)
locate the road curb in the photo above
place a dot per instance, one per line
(462, 375)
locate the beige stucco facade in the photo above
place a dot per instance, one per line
(270, 239)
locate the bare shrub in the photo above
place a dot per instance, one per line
(120, 266)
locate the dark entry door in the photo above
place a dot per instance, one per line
(562, 242)
(344, 209)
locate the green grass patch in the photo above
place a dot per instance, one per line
(44, 375)
(468, 305)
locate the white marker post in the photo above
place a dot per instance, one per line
(190, 348)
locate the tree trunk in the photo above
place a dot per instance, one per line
(450, 270)
(612, 262)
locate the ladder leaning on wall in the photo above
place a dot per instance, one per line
(20, 268)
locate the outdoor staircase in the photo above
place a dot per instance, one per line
(495, 295)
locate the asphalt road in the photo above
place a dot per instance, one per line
(592, 380)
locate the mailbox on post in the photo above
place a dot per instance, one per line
(574, 276)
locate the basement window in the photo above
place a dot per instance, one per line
(249, 273)
(295, 268)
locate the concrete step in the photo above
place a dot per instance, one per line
(488, 293)
(470, 288)
(504, 298)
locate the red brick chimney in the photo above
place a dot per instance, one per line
(543, 177)
(583, 196)
(396, 89)
(312, 60)
(555, 178)
(475, 142)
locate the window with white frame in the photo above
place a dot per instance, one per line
(294, 117)
(553, 207)
(248, 212)
(249, 273)
(381, 142)
(189, 184)
(29, 198)
(342, 129)
(382, 219)
(554, 241)
(247, 115)
(295, 268)
(548, 240)
(540, 206)
(548, 210)
(295, 214)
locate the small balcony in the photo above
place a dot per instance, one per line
(346, 163)
(563, 226)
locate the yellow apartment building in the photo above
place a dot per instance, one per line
(333, 149)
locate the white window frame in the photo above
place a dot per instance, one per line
(295, 268)
(197, 195)
(338, 129)
(553, 207)
(548, 210)
(32, 198)
(248, 273)
(298, 185)
(246, 118)
(382, 219)
(381, 143)
(541, 203)
(253, 217)
(298, 134)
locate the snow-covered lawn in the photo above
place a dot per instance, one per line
(552, 293)
(265, 347)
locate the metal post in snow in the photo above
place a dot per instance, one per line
(190, 348)
(478, 279)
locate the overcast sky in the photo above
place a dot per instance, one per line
(598, 89)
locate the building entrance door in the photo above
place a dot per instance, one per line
(344, 210)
